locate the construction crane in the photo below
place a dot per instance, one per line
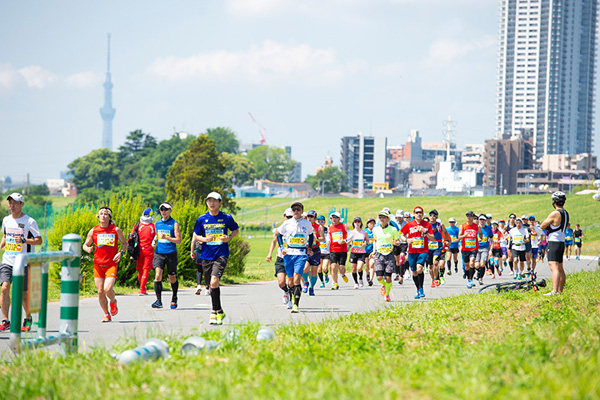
(261, 129)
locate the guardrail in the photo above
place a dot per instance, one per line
(69, 297)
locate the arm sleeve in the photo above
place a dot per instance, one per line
(311, 239)
(280, 239)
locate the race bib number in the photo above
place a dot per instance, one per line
(433, 245)
(371, 240)
(577, 240)
(385, 249)
(470, 243)
(484, 239)
(216, 237)
(12, 246)
(518, 240)
(335, 236)
(418, 243)
(454, 239)
(106, 239)
(297, 241)
(357, 244)
(323, 245)
(568, 237)
(166, 233)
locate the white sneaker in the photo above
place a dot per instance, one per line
(552, 293)
(207, 292)
(356, 286)
(286, 298)
(198, 290)
(361, 284)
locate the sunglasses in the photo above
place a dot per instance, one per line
(418, 212)
(310, 216)
(296, 209)
(164, 209)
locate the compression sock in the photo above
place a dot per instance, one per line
(416, 280)
(215, 295)
(297, 293)
(442, 271)
(284, 288)
(313, 281)
(321, 277)
(471, 273)
(421, 280)
(510, 264)
(174, 288)
(360, 275)
(388, 288)
(355, 277)
(158, 290)
(305, 276)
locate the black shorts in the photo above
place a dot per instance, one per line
(468, 254)
(6, 275)
(315, 259)
(397, 250)
(520, 254)
(403, 247)
(556, 250)
(578, 244)
(527, 247)
(338, 258)
(497, 253)
(356, 257)
(279, 266)
(453, 250)
(216, 266)
(169, 259)
(324, 256)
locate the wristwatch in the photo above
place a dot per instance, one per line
(122, 252)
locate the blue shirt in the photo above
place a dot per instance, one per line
(167, 227)
(369, 248)
(486, 237)
(216, 226)
(453, 232)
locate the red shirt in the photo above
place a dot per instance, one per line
(497, 238)
(107, 245)
(146, 234)
(337, 232)
(419, 243)
(471, 242)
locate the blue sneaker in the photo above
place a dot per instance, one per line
(322, 285)
(421, 293)
(470, 285)
(326, 278)
(305, 287)
(311, 291)
(157, 304)
(291, 302)
(173, 304)
(418, 295)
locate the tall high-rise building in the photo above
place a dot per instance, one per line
(107, 112)
(546, 68)
(363, 159)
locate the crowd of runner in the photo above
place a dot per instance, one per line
(313, 249)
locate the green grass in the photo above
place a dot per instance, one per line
(516, 346)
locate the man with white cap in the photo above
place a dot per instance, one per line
(280, 264)
(338, 248)
(20, 235)
(168, 236)
(215, 229)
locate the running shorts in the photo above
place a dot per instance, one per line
(467, 255)
(279, 266)
(216, 266)
(315, 259)
(520, 254)
(415, 259)
(356, 257)
(6, 274)
(556, 250)
(338, 258)
(453, 250)
(105, 271)
(169, 259)
(482, 255)
(294, 264)
(384, 265)
(434, 255)
(497, 253)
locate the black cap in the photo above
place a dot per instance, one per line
(470, 214)
(297, 204)
(357, 219)
(433, 212)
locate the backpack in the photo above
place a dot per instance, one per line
(133, 243)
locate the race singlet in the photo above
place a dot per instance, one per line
(297, 241)
(418, 243)
(470, 243)
(518, 240)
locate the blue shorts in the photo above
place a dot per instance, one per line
(568, 243)
(415, 259)
(294, 264)
(534, 252)
(315, 259)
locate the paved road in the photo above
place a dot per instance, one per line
(249, 302)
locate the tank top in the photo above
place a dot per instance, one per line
(316, 242)
(470, 243)
(360, 239)
(324, 246)
(337, 232)
(557, 233)
(437, 243)
(167, 227)
(107, 245)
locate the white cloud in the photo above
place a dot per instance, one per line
(9, 77)
(34, 76)
(37, 77)
(389, 70)
(444, 51)
(269, 61)
(83, 80)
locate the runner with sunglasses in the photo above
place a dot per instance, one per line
(338, 248)
(452, 253)
(384, 261)
(469, 233)
(167, 238)
(323, 271)
(417, 233)
(313, 261)
(280, 264)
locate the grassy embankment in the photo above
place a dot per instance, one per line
(515, 345)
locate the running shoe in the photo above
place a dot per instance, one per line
(418, 295)
(519, 277)
(173, 304)
(295, 309)
(5, 326)
(511, 272)
(437, 282)
(305, 287)
(382, 290)
(449, 271)
(397, 277)
(106, 318)
(470, 285)
(198, 290)
(480, 281)
(356, 286)
(213, 319)
(500, 269)
(387, 298)
(143, 293)
(370, 282)
(577, 257)
(488, 271)
(361, 283)
(157, 304)
(499, 272)
(220, 317)
(322, 285)
(493, 276)
(455, 269)
(345, 278)
(433, 283)
(311, 291)
(326, 278)
(335, 286)
(552, 293)
(401, 281)
(114, 310)
(421, 293)
(505, 263)
(442, 280)
(207, 291)
(465, 275)
(26, 325)
(286, 297)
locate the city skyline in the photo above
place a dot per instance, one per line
(310, 73)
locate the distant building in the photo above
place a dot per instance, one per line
(535, 181)
(296, 173)
(473, 157)
(363, 158)
(107, 112)
(284, 189)
(584, 162)
(504, 157)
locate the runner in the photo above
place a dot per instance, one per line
(20, 236)
(483, 252)
(313, 262)
(496, 259)
(469, 233)
(535, 235)
(404, 250)
(416, 234)
(525, 220)
(578, 240)
(369, 263)
(384, 260)
(212, 229)
(543, 246)
(555, 225)
(435, 257)
(399, 223)
(280, 264)
(519, 235)
(358, 252)
(338, 248)
(106, 237)
(297, 234)
(323, 271)
(453, 247)
(195, 251)
(568, 241)
(503, 245)
(511, 224)
(146, 232)
(167, 238)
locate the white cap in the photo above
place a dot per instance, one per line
(16, 197)
(489, 216)
(214, 195)
(384, 212)
(399, 213)
(288, 212)
(387, 209)
(335, 214)
(525, 218)
(495, 222)
(452, 219)
(165, 205)
(407, 214)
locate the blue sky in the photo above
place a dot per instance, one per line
(309, 71)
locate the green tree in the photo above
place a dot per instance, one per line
(225, 139)
(272, 163)
(198, 172)
(329, 180)
(156, 164)
(240, 170)
(98, 169)
(137, 145)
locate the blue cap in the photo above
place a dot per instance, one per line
(148, 211)
(321, 217)
(532, 218)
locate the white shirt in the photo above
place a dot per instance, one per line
(535, 240)
(518, 237)
(295, 234)
(26, 228)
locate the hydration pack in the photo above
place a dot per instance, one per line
(133, 243)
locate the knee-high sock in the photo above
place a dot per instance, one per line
(421, 280)
(313, 281)
(321, 277)
(305, 276)
(416, 280)
(471, 273)
(215, 294)
(158, 290)
(297, 294)
(174, 288)
(355, 277)
(388, 288)
(360, 275)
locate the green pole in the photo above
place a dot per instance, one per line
(69, 293)
(41, 331)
